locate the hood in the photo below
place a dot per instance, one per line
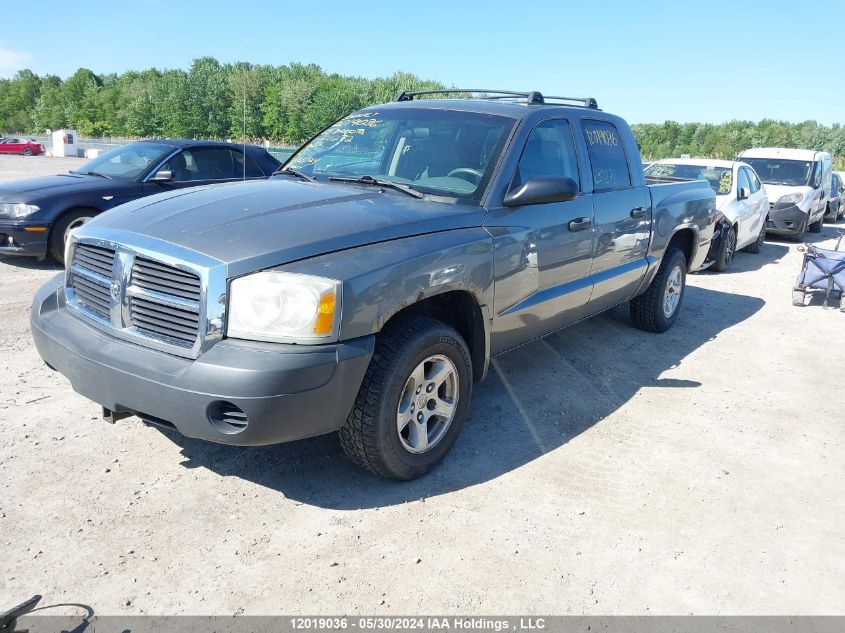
(774, 193)
(723, 200)
(60, 184)
(259, 224)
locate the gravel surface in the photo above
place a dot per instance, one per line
(602, 470)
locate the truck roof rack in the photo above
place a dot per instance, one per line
(531, 98)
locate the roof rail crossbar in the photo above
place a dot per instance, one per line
(532, 97)
(588, 102)
(408, 96)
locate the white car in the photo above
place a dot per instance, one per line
(740, 199)
(798, 183)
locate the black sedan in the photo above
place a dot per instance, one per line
(37, 214)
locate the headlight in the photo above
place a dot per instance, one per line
(791, 198)
(14, 211)
(284, 308)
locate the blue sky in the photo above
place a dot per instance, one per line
(646, 61)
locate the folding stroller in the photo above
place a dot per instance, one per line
(821, 270)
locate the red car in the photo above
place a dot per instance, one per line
(20, 146)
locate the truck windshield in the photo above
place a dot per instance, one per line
(720, 179)
(776, 171)
(439, 152)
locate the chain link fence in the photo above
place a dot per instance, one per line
(105, 144)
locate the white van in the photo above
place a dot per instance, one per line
(797, 182)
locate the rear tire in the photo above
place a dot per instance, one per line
(59, 232)
(27, 151)
(727, 252)
(757, 244)
(383, 432)
(650, 311)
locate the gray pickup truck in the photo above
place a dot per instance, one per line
(366, 286)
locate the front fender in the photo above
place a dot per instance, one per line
(381, 279)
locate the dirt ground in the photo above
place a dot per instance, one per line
(603, 470)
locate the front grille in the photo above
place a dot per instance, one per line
(95, 258)
(165, 279)
(90, 277)
(168, 304)
(164, 320)
(135, 296)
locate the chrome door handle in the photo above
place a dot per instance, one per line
(638, 212)
(580, 224)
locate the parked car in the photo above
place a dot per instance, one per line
(26, 147)
(798, 184)
(835, 207)
(741, 202)
(37, 214)
(365, 287)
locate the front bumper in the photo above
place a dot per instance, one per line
(785, 220)
(286, 392)
(24, 238)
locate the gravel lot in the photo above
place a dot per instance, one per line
(602, 471)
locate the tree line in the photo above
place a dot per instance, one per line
(726, 140)
(288, 104)
(285, 104)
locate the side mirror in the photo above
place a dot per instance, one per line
(542, 190)
(162, 175)
(744, 194)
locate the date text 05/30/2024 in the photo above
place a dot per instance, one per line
(418, 623)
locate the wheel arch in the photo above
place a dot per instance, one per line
(459, 309)
(63, 214)
(70, 209)
(684, 238)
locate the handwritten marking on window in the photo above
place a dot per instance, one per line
(604, 177)
(598, 136)
(726, 182)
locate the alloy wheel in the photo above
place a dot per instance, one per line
(672, 295)
(427, 404)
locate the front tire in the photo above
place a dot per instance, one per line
(27, 151)
(62, 228)
(816, 227)
(726, 254)
(657, 308)
(413, 399)
(798, 236)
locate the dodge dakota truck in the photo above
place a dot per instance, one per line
(365, 287)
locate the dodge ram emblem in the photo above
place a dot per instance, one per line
(115, 290)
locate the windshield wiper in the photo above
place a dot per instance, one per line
(387, 184)
(287, 171)
(91, 173)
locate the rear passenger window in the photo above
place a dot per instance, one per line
(607, 156)
(550, 151)
(252, 170)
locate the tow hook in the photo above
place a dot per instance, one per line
(113, 416)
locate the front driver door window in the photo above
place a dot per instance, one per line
(206, 165)
(198, 166)
(542, 268)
